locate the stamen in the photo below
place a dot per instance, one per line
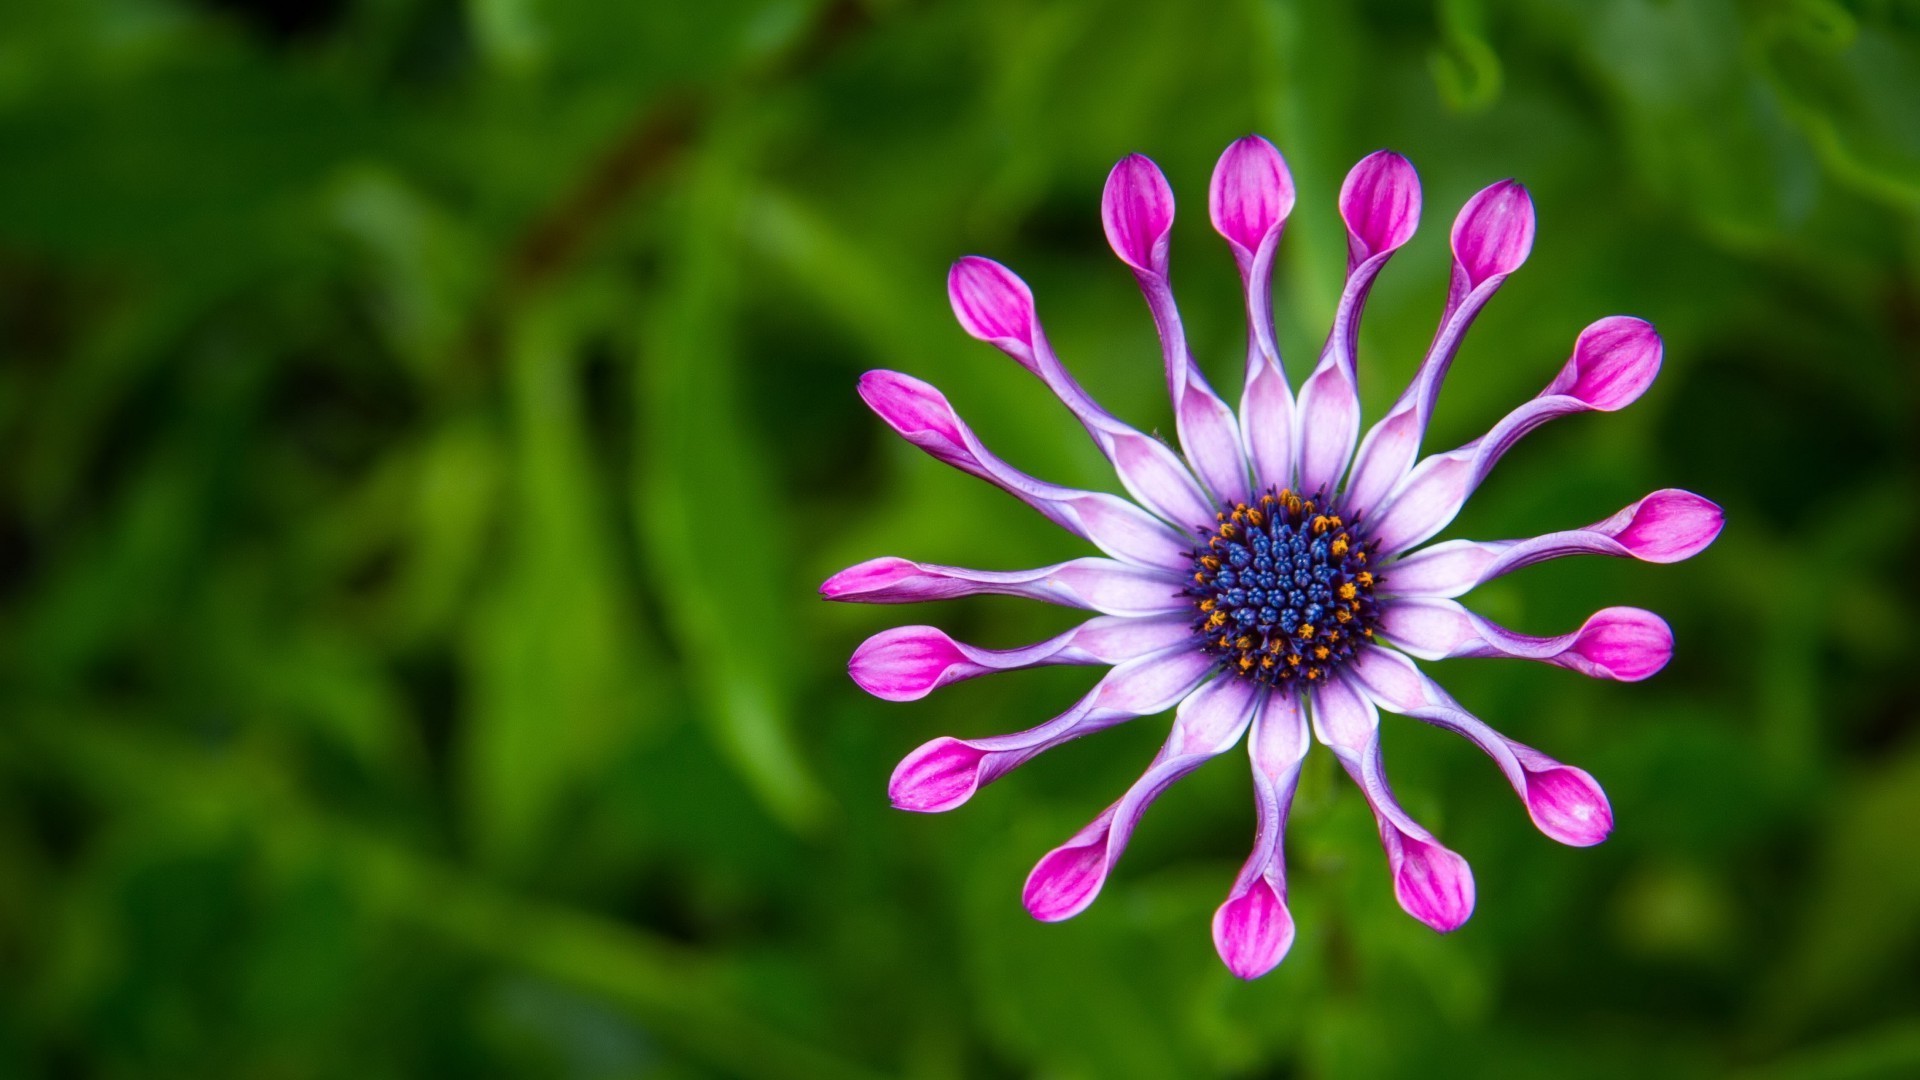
(1279, 589)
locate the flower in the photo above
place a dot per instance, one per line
(1269, 578)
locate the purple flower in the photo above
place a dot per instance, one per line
(1270, 577)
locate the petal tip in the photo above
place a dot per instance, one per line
(936, 777)
(905, 663)
(992, 304)
(1614, 362)
(1253, 931)
(1568, 805)
(1433, 884)
(1494, 233)
(1066, 881)
(1626, 644)
(1251, 194)
(1137, 211)
(1671, 525)
(1380, 203)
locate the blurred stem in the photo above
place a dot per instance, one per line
(675, 991)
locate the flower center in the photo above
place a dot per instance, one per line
(1282, 591)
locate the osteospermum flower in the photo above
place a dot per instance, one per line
(1269, 576)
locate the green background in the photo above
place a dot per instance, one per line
(423, 426)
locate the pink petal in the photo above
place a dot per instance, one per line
(1252, 931)
(1103, 585)
(944, 773)
(1613, 363)
(1666, 526)
(1251, 194)
(1623, 643)
(1208, 723)
(1494, 232)
(1380, 202)
(1329, 425)
(937, 777)
(1067, 879)
(913, 408)
(909, 662)
(1433, 884)
(1568, 806)
(993, 305)
(1563, 801)
(1137, 210)
(1266, 427)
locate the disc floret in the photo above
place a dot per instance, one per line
(1282, 590)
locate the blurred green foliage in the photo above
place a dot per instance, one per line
(423, 424)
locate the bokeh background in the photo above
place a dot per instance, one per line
(423, 426)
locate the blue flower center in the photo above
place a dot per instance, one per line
(1282, 591)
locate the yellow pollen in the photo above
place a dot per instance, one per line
(1210, 562)
(1347, 590)
(1343, 614)
(1243, 643)
(1306, 630)
(1313, 673)
(1322, 652)
(1216, 620)
(1208, 604)
(1340, 545)
(1246, 662)
(1365, 578)
(1293, 659)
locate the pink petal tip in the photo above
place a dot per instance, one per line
(1569, 806)
(869, 576)
(991, 302)
(1066, 880)
(1433, 884)
(1670, 525)
(1494, 232)
(1253, 931)
(1251, 194)
(1613, 363)
(910, 406)
(905, 663)
(1380, 202)
(1137, 210)
(1625, 643)
(936, 777)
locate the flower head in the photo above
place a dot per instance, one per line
(1268, 579)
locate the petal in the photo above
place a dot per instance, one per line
(1491, 238)
(1623, 643)
(1613, 362)
(1266, 427)
(907, 663)
(993, 305)
(1251, 196)
(1252, 930)
(1563, 801)
(1111, 588)
(1329, 425)
(944, 773)
(1666, 526)
(1137, 210)
(1432, 884)
(1208, 723)
(923, 417)
(1210, 435)
(1494, 232)
(1380, 203)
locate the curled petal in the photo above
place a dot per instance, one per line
(923, 417)
(1613, 363)
(1666, 526)
(1623, 643)
(1494, 232)
(993, 305)
(1111, 588)
(1380, 203)
(1563, 801)
(1491, 238)
(1137, 210)
(1252, 930)
(907, 663)
(944, 773)
(1251, 196)
(1209, 723)
(1432, 884)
